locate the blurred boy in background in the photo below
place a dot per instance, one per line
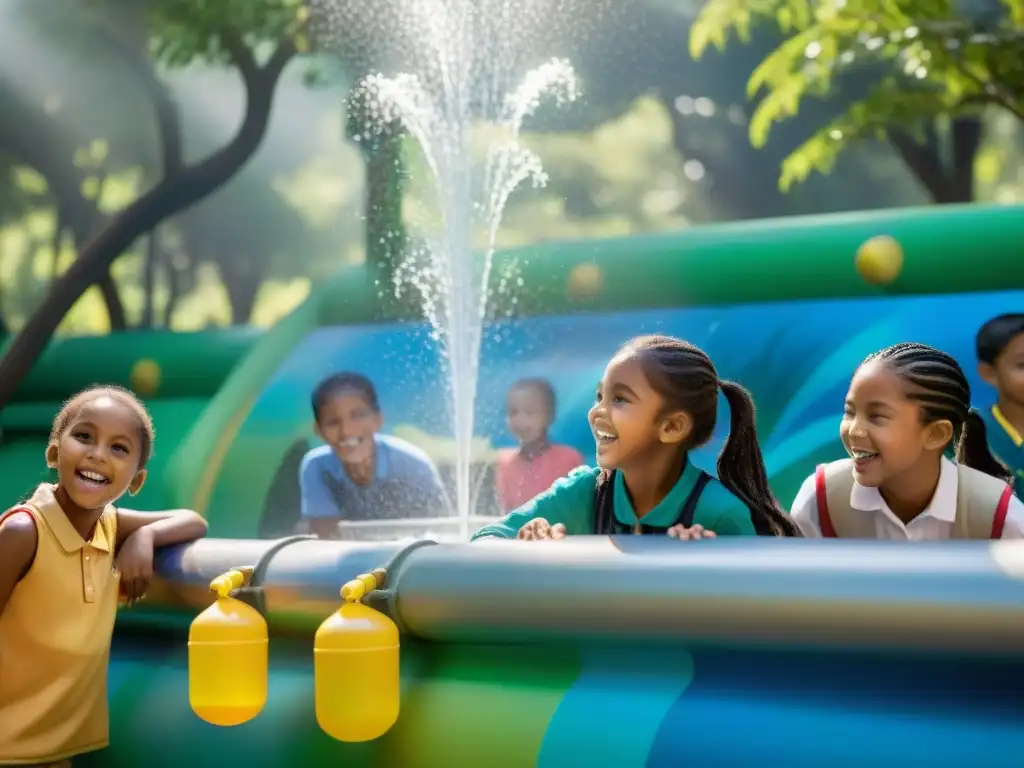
(361, 474)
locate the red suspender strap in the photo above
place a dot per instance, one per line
(1001, 509)
(13, 511)
(824, 519)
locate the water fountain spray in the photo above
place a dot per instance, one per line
(463, 63)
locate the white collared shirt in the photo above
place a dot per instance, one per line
(935, 523)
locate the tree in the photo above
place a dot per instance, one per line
(272, 241)
(181, 32)
(933, 65)
(31, 136)
(706, 101)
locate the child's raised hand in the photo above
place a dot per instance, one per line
(696, 532)
(539, 528)
(135, 563)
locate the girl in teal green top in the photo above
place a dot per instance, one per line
(658, 399)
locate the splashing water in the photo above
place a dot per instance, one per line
(452, 287)
(462, 64)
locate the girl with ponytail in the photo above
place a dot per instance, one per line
(906, 406)
(657, 401)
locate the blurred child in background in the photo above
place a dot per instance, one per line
(1000, 349)
(361, 474)
(531, 468)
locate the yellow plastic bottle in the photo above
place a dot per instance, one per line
(227, 657)
(355, 668)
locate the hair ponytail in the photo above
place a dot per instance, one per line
(972, 448)
(686, 378)
(741, 467)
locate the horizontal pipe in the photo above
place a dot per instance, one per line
(959, 596)
(302, 584)
(955, 596)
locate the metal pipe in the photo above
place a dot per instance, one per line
(300, 583)
(961, 596)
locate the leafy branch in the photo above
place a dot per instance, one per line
(929, 63)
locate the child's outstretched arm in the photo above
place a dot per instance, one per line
(140, 533)
(171, 526)
(18, 540)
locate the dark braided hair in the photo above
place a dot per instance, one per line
(126, 397)
(937, 383)
(687, 380)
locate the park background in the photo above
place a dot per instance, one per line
(185, 166)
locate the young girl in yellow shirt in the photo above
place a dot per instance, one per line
(63, 555)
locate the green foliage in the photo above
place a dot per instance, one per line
(928, 61)
(190, 30)
(718, 17)
(998, 168)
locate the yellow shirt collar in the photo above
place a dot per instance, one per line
(66, 534)
(1008, 428)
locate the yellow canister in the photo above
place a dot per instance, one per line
(356, 668)
(227, 657)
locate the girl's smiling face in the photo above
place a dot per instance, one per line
(628, 418)
(97, 455)
(882, 428)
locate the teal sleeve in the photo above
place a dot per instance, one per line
(721, 512)
(569, 501)
(734, 522)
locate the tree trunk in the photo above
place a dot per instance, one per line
(242, 284)
(181, 278)
(172, 195)
(951, 182)
(112, 298)
(84, 221)
(149, 269)
(966, 141)
(57, 243)
(729, 175)
(385, 237)
(174, 292)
